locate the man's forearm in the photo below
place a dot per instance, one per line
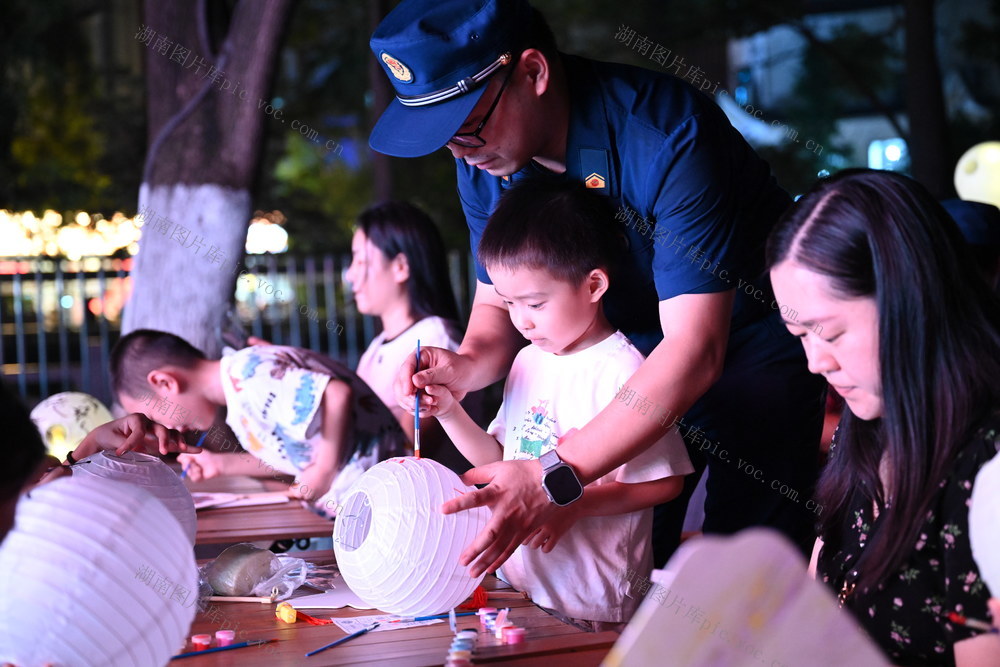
(667, 378)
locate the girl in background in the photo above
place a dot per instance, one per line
(399, 273)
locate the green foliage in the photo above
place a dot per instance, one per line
(56, 118)
(321, 199)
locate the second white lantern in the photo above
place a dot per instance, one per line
(395, 548)
(150, 473)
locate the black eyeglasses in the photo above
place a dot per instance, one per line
(472, 139)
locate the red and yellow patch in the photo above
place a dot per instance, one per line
(397, 68)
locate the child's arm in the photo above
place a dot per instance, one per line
(315, 480)
(605, 500)
(475, 444)
(134, 431)
(207, 465)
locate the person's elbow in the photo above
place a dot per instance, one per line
(669, 488)
(714, 358)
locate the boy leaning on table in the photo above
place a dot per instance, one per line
(294, 411)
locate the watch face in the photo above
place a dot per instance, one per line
(563, 485)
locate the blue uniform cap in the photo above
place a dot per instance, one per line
(979, 222)
(439, 55)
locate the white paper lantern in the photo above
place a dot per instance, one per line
(65, 419)
(395, 548)
(984, 524)
(150, 473)
(94, 573)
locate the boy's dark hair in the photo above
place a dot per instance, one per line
(24, 450)
(145, 350)
(551, 224)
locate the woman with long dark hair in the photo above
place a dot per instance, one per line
(399, 273)
(872, 274)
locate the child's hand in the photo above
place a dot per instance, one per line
(133, 432)
(204, 465)
(550, 532)
(439, 403)
(312, 483)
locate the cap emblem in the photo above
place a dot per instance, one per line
(397, 68)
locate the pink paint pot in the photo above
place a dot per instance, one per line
(225, 637)
(513, 635)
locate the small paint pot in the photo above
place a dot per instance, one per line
(225, 637)
(471, 633)
(201, 642)
(513, 635)
(484, 615)
(458, 663)
(460, 655)
(462, 646)
(498, 630)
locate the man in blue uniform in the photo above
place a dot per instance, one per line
(695, 202)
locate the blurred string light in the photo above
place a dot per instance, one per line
(888, 154)
(25, 234)
(266, 233)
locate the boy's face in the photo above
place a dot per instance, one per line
(553, 314)
(181, 410)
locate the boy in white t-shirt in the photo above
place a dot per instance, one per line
(549, 249)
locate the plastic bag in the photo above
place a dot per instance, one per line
(243, 570)
(288, 574)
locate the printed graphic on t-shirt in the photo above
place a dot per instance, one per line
(537, 433)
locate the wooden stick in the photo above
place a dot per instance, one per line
(224, 598)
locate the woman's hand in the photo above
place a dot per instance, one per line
(519, 505)
(204, 465)
(439, 367)
(133, 432)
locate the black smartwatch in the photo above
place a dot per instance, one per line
(559, 481)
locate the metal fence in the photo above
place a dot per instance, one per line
(59, 318)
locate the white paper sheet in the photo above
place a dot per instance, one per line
(338, 598)
(361, 622)
(207, 500)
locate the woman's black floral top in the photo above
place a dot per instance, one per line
(907, 614)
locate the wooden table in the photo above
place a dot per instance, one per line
(253, 524)
(548, 641)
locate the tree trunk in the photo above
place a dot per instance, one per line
(928, 143)
(206, 122)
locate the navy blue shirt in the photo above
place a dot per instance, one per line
(694, 200)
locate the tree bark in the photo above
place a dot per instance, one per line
(206, 123)
(928, 142)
